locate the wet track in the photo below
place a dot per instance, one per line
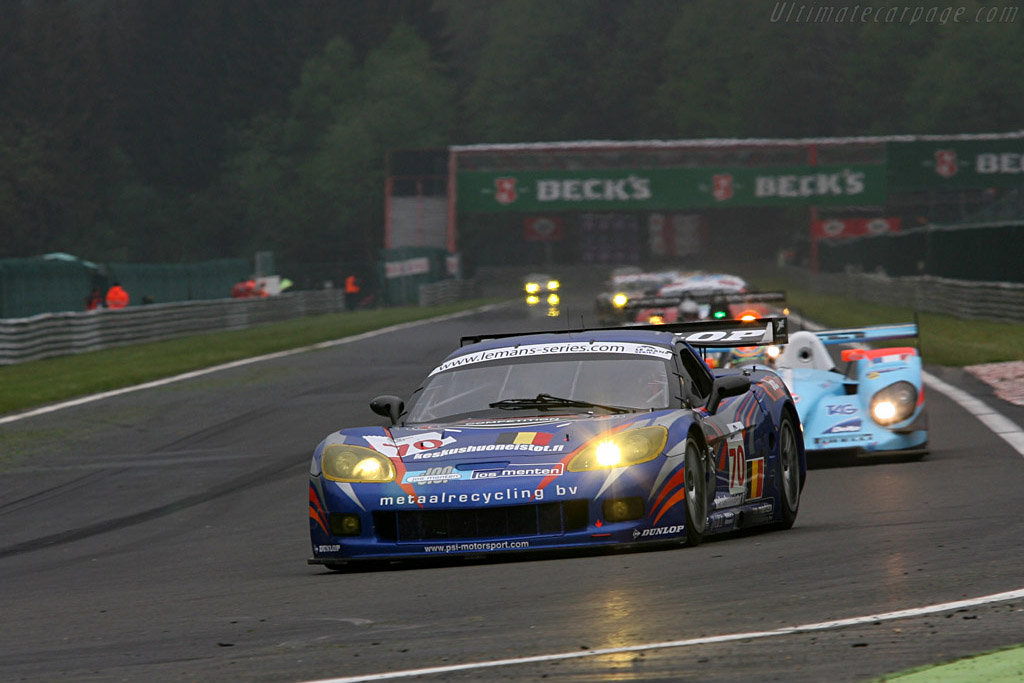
(162, 536)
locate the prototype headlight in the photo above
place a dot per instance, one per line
(895, 403)
(342, 462)
(620, 300)
(553, 285)
(532, 288)
(553, 299)
(533, 299)
(627, 448)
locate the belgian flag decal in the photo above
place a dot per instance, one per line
(755, 478)
(535, 438)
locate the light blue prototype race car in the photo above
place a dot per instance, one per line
(876, 406)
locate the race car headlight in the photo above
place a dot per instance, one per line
(342, 462)
(553, 285)
(772, 351)
(656, 320)
(553, 299)
(532, 287)
(533, 299)
(627, 448)
(895, 403)
(620, 300)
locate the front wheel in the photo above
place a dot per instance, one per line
(696, 493)
(789, 471)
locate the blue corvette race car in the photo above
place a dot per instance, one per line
(555, 440)
(875, 407)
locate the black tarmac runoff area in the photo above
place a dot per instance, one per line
(162, 535)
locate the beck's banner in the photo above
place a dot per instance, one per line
(955, 164)
(670, 188)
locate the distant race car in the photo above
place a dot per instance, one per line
(626, 285)
(541, 288)
(555, 440)
(876, 406)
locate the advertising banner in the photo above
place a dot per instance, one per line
(955, 164)
(543, 229)
(670, 188)
(838, 228)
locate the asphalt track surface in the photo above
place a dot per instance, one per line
(162, 536)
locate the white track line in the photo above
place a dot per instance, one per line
(234, 364)
(1001, 425)
(789, 630)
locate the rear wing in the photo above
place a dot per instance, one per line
(702, 334)
(729, 333)
(868, 334)
(706, 297)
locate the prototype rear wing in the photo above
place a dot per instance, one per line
(868, 334)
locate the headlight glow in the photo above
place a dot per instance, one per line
(772, 351)
(553, 299)
(553, 285)
(533, 299)
(532, 287)
(620, 300)
(608, 454)
(656, 320)
(342, 462)
(884, 411)
(895, 403)
(631, 447)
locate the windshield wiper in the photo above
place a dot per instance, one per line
(545, 401)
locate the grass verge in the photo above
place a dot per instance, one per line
(35, 383)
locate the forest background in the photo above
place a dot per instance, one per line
(181, 130)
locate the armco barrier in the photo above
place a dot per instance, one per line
(447, 291)
(998, 301)
(58, 334)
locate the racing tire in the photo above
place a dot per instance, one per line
(789, 471)
(696, 483)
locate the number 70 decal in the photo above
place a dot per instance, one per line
(737, 461)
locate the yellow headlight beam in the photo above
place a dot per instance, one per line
(630, 447)
(620, 300)
(346, 463)
(608, 454)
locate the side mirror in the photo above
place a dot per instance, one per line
(388, 406)
(726, 386)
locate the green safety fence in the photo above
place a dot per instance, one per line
(164, 283)
(35, 285)
(29, 286)
(404, 269)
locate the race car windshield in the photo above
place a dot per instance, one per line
(581, 384)
(543, 401)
